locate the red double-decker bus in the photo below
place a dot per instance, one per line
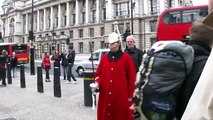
(174, 23)
(21, 51)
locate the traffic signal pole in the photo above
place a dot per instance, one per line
(32, 50)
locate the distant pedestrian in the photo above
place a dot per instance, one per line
(14, 62)
(64, 63)
(3, 61)
(70, 60)
(56, 58)
(135, 53)
(46, 65)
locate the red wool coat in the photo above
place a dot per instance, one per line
(116, 81)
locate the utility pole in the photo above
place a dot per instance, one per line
(32, 50)
(131, 16)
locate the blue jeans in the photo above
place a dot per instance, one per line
(69, 72)
(14, 71)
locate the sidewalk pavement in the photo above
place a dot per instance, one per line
(18, 103)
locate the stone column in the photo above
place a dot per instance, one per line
(76, 12)
(59, 16)
(87, 12)
(27, 23)
(109, 10)
(68, 14)
(97, 11)
(51, 18)
(45, 19)
(38, 21)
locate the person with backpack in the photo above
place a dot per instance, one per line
(46, 65)
(14, 62)
(201, 40)
(70, 60)
(114, 79)
(56, 58)
(135, 53)
(64, 63)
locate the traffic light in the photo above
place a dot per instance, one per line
(125, 34)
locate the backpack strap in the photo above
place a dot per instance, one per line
(200, 58)
(144, 69)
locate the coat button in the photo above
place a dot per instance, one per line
(110, 81)
(111, 68)
(110, 93)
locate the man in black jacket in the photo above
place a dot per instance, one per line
(70, 60)
(135, 53)
(3, 61)
(201, 41)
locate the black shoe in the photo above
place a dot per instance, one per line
(2, 85)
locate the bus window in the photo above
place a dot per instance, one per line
(19, 48)
(172, 17)
(192, 15)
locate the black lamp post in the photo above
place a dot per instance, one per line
(132, 7)
(53, 34)
(32, 50)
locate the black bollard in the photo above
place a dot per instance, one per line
(40, 80)
(22, 76)
(88, 79)
(57, 84)
(9, 78)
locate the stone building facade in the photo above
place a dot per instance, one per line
(82, 21)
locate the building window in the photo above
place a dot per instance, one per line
(81, 47)
(153, 26)
(71, 34)
(169, 3)
(94, 2)
(93, 16)
(82, 17)
(73, 19)
(102, 31)
(153, 7)
(104, 14)
(102, 44)
(122, 9)
(91, 31)
(81, 35)
(65, 20)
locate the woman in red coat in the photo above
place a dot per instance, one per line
(46, 65)
(115, 78)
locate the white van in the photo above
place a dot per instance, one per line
(86, 65)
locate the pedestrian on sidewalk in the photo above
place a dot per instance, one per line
(14, 62)
(64, 63)
(135, 53)
(46, 65)
(3, 60)
(56, 58)
(70, 60)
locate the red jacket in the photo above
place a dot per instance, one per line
(46, 62)
(116, 81)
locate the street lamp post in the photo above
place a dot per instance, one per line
(53, 34)
(132, 7)
(31, 37)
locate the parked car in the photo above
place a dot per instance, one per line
(83, 65)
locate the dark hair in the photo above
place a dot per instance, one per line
(201, 32)
(71, 47)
